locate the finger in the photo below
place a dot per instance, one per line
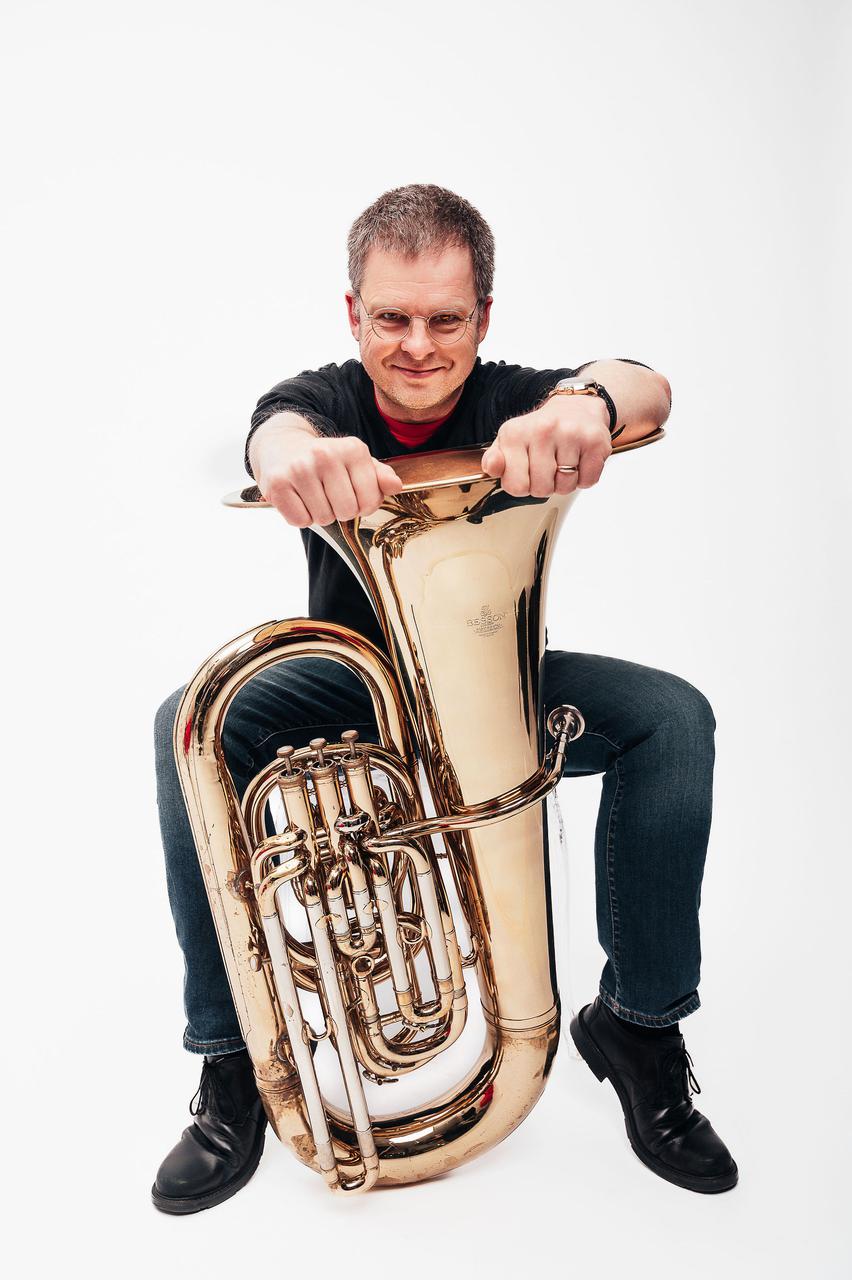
(388, 480)
(591, 466)
(565, 482)
(309, 488)
(292, 508)
(542, 464)
(493, 462)
(339, 493)
(516, 472)
(368, 493)
(567, 455)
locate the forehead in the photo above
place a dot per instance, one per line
(434, 279)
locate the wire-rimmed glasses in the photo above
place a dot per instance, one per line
(392, 325)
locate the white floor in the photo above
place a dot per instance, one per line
(565, 1192)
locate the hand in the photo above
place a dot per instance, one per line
(564, 431)
(314, 479)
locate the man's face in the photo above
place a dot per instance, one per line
(416, 378)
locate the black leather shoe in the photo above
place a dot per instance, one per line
(217, 1154)
(653, 1079)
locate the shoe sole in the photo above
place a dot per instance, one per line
(603, 1069)
(194, 1204)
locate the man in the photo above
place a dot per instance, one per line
(421, 268)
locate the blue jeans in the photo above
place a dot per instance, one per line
(649, 733)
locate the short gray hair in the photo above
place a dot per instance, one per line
(418, 218)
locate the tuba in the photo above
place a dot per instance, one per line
(354, 884)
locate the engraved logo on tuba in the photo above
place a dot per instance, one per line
(487, 622)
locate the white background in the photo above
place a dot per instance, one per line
(663, 181)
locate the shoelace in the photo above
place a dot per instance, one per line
(211, 1087)
(682, 1062)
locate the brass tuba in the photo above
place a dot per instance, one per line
(359, 909)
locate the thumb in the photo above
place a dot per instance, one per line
(389, 481)
(493, 462)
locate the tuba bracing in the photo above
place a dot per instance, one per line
(351, 895)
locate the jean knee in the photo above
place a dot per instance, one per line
(690, 709)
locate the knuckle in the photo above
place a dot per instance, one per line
(369, 500)
(353, 449)
(596, 448)
(321, 452)
(301, 469)
(278, 492)
(291, 510)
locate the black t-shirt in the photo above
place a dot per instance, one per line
(339, 400)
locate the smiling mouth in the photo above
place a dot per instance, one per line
(416, 373)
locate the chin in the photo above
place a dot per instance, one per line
(425, 400)
(431, 393)
(410, 398)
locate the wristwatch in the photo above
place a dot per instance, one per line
(578, 387)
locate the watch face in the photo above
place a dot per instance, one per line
(577, 385)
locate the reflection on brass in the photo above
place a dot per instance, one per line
(457, 572)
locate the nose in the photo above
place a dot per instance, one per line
(418, 342)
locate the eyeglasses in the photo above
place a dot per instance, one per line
(444, 326)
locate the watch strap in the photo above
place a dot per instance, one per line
(595, 388)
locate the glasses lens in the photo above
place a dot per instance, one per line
(391, 324)
(445, 326)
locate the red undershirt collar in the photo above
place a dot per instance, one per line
(410, 434)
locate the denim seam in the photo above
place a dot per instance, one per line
(610, 876)
(210, 1046)
(650, 1019)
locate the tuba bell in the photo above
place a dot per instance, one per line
(353, 884)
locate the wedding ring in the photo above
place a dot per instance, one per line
(566, 469)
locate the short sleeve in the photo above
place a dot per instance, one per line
(510, 390)
(312, 394)
(621, 360)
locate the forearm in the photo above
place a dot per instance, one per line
(642, 397)
(273, 434)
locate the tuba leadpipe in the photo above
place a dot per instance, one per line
(456, 570)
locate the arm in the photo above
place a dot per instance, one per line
(642, 397)
(574, 431)
(272, 435)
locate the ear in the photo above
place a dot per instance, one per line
(353, 314)
(484, 317)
